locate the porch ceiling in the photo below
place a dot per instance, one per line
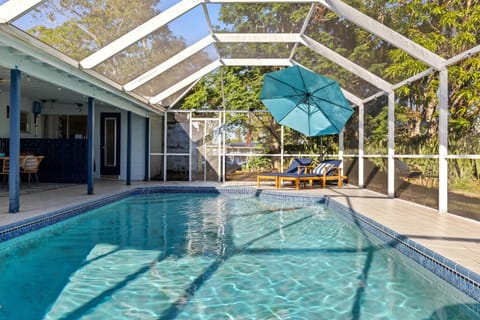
(170, 46)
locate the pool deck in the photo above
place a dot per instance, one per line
(453, 237)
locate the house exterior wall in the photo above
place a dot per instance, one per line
(52, 108)
(26, 105)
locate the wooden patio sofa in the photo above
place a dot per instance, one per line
(327, 170)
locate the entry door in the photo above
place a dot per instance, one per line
(110, 144)
(206, 149)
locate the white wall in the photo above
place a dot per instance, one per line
(26, 104)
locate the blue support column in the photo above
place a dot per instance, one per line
(14, 174)
(147, 149)
(90, 135)
(129, 147)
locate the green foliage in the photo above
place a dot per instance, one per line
(81, 27)
(446, 27)
(256, 164)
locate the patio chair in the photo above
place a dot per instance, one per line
(327, 170)
(30, 166)
(5, 169)
(298, 165)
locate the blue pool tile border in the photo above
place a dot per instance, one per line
(19, 228)
(462, 278)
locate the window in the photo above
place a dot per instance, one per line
(24, 126)
(63, 126)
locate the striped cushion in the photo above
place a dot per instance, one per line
(322, 168)
(319, 169)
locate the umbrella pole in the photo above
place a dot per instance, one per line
(321, 149)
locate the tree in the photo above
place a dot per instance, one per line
(81, 27)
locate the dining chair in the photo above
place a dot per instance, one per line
(30, 166)
(5, 169)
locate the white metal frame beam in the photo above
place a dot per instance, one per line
(27, 54)
(347, 64)
(65, 80)
(209, 68)
(12, 9)
(185, 82)
(179, 57)
(462, 56)
(138, 33)
(384, 32)
(256, 62)
(351, 97)
(260, 1)
(361, 145)
(304, 27)
(184, 93)
(414, 78)
(391, 145)
(443, 142)
(258, 37)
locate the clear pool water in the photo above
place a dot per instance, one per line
(184, 256)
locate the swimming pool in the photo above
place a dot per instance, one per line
(206, 256)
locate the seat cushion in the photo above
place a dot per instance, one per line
(326, 166)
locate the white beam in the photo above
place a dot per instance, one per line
(414, 78)
(462, 56)
(184, 93)
(138, 33)
(347, 64)
(152, 73)
(373, 97)
(62, 79)
(257, 62)
(382, 31)
(304, 27)
(185, 82)
(12, 9)
(351, 97)
(361, 140)
(27, 52)
(443, 142)
(391, 145)
(259, 1)
(258, 37)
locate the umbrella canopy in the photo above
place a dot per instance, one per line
(305, 101)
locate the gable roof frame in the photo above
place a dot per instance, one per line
(295, 38)
(348, 12)
(138, 33)
(23, 52)
(394, 38)
(15, 8)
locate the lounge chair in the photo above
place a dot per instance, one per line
(327, 170)
(298, 166)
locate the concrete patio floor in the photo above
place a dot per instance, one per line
(453, 237)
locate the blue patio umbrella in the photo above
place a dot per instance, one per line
(305, 101)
